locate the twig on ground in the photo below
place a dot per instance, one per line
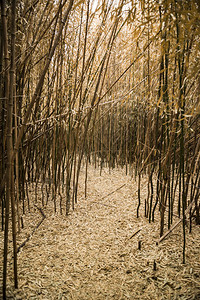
(37, 226)
(135, 233)
(114, 191)
(176, 224)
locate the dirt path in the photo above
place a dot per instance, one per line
(89, 254)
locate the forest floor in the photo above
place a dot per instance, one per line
(91, 254)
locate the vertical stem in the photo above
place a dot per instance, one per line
(9, 145)
(12, 86)
(138, 207)
(182, 110)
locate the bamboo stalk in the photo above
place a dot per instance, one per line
(9, 145)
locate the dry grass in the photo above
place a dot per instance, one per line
(89, 254)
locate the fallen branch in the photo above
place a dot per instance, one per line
(37, 226)
(176, 224)
(109, 195)
(135, 233)
(114, 191)
(103, 204)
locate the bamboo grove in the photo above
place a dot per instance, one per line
(112, 83)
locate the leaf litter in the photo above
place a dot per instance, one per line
(93, 252)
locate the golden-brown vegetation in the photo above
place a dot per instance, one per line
(114, 83)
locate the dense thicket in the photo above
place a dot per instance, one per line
(112, 83)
